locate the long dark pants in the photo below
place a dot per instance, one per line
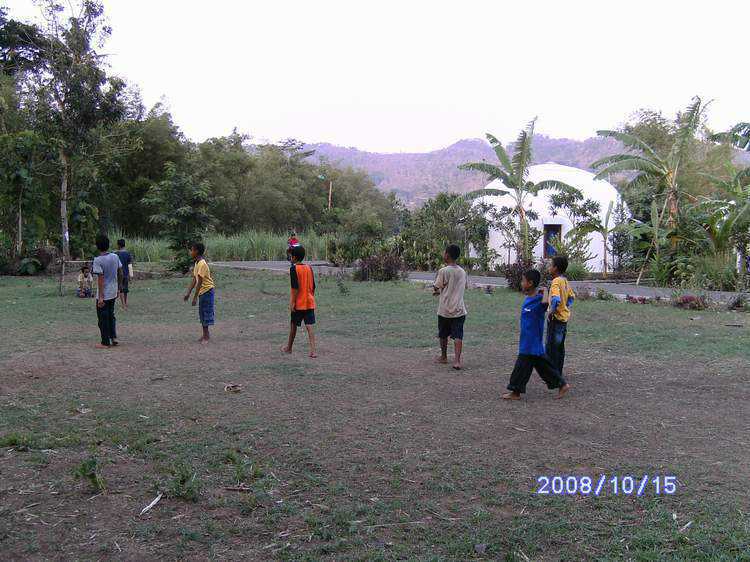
(555, 345)
(522, 373)
(107, 322)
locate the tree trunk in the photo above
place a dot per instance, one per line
(606, 268)
(673, 209)
(19, 237)
(64, 204)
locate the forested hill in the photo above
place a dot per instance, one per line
(417, 176)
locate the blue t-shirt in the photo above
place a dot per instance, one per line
(125, 259)
(532, 326)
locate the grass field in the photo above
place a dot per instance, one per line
(372, 451)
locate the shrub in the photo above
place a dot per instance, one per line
(691, 302)
(602, 295)
(383, 266)
(577, 271)
(514, 272)
(29, 266)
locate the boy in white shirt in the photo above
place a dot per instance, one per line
(450, 284)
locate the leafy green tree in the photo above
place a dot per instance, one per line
(71, 92)
(513, 172)
(180, 211)
(663, 175)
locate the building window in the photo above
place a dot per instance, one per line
(551, 231)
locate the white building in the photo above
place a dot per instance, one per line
(555, 225)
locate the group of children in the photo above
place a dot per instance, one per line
(539, 307)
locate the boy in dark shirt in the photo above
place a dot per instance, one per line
(302, 299)
(531, 344)
(126, 260)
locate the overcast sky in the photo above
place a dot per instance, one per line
(414, 75)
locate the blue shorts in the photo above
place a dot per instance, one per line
(307, 315)
(206, 308)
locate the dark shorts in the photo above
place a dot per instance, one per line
(451, 327)
(125, 282)
(308, 316)
(206, 308)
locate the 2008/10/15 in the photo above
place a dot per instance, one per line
(625, 485)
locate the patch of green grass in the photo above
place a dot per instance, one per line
(184, 482)
(90, 470)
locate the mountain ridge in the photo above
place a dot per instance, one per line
(417, 176)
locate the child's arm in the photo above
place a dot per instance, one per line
(190, 289)
(100, 285)
(438, 285)
(198, 285)
(292, 299)
(119, 279)
(545, 295)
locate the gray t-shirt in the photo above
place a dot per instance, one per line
(451, 281)
(107, 265)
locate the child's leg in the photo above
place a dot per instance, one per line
(443, 350)
(457, 347)
(292, 335)
(555, 344)
(457, 333)
(206, 335)
(311, 339)
(550, 375)
(112, 320)
(103, 320)
(519, 377)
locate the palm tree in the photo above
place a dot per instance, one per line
(661, 173)
(512, 171)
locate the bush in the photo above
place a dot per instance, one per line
(383, 266)
(29, 266)
(577, 271)
(691, 302)
(514, 272)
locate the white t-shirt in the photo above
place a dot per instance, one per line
(107, 265)
(451, 281)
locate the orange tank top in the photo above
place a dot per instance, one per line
(304, 281)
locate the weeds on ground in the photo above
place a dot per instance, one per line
(184, 482)
(89, 470)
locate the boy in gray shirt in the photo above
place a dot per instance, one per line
(450, 284)
(108, 271)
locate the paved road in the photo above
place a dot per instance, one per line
(617, 289)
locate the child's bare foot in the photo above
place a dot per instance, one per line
(563, 390)
(458, 366)
(286, 349)
(511, 396)
(203, 341)
(313, 355)
(442, 360)
(101, 346)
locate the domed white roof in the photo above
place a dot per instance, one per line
(598, 190)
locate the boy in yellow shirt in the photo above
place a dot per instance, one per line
(561, 297)
(204, 289)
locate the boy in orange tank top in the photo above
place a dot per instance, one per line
(301, 300)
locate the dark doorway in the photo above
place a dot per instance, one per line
(551, 231)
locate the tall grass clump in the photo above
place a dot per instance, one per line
(244, 246)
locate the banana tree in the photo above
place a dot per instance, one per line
(733, 210)
(662, 173)
(513, 171)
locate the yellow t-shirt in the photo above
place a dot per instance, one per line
(561, 289)
(201, 269)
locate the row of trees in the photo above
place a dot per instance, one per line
(79, 153)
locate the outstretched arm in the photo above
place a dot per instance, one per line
(190, 289)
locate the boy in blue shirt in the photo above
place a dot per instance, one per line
(531, 344)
